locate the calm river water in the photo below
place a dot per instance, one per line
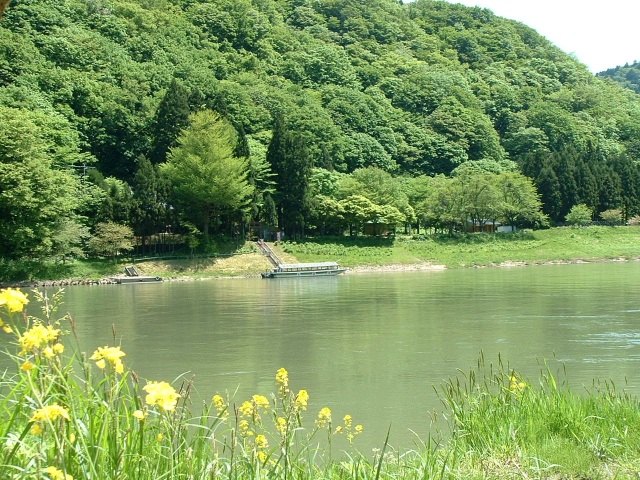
(372, 345)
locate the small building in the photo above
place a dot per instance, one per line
(489, 226)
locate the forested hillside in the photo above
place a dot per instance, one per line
(303, 115)
(628, 76)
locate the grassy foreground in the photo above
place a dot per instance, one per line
(66, 415)
(595, 243)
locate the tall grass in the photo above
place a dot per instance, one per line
(67, 415)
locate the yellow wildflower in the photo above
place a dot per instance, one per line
(324, 417)
(55, 474)
(359, 429)
(48, 352)
(281, 425)
(339, 429)
(161, 394)
(6, 328)
(110, 354)
(301, 400)
(49, 413)
(221, 406)
(140, 415)
(160, 437)
(516, 386)
(13, 300)
(282, 379)
(36, 429)
(261, 441)
(262, 457)
(58, 348)
(27, 366)
(260, 401)
(72, 438)
(252, 408)
(347, 421)
(37, 337)
(243, 426)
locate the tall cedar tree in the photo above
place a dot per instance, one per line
(171, 118)
(149, 204)
(208, 180)
(290, 161)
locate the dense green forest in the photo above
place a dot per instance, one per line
(627, 75)
(139, 117)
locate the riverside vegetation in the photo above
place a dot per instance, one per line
(66, 415)
(593, 243)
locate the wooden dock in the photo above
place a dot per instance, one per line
(131, 275)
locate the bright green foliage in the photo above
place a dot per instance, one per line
(420, 88)
(37, 191)
(110, 239)
(208, 181)
(612, 216)
(579, 215)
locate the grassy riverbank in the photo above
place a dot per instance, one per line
(68, 414)
(587, 244)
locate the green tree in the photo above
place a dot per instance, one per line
(579, 215)
(519, 202)
(149, 206)
(289, 158)
(69, 239)
(110, 239)
(612, 216)
(171, 118)
(208, 181)
(37, 191)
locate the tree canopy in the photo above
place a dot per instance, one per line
(417, 89)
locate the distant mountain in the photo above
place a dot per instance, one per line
(627, 76)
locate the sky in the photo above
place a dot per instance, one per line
(602, 34)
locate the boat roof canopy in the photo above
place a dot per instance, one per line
(286, 266)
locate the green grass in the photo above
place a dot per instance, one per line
(594, 243)
(552, 245)
(90, 417)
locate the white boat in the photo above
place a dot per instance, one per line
(320, 269)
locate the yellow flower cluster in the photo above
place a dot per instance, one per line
(301, 400)
(140, 415)
(349, 429)
(252, 408)
(221, 406)
(13, 300)
(161, 394)
(282, 380)
(38, 337)
(324, 417)
(515, 385)
(111, 355)
(47, 413)
(56, 474)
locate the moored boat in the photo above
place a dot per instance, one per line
(319, 269)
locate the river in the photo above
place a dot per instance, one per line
(372, 345)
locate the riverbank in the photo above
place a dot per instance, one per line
(377, 255)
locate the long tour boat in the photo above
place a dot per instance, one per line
(320, 269)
